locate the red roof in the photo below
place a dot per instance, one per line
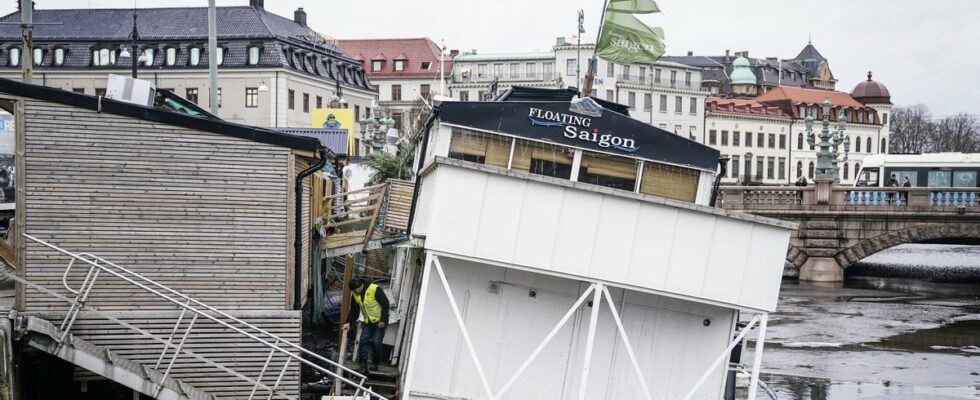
(808, 96)
(738, 106)
(416, 52)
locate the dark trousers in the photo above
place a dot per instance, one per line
(371, 336)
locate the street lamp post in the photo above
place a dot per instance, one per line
(375, 128)
(134, 38)
(828, 155)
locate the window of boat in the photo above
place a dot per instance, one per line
(543, 159)
(479, 147)
(669, 181)
(607, 170)
(940, 178)
(965, 179)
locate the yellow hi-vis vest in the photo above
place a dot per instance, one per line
(369, 306)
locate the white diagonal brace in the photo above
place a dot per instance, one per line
(760, 343)
(462, 328)
(626, 342)
(547, 339)
(590, 340)
(726, 353)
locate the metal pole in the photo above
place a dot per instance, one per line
(212, 54)
(134, 48)
(27, 48)
(760, 342)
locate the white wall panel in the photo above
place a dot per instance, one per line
(628, 239)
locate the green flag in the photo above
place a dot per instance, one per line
(633, 6)
(625, 40)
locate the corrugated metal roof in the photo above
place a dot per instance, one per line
(333, 139)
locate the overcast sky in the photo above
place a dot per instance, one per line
(924, 51)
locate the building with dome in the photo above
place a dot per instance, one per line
(874, 94)
(743, 80)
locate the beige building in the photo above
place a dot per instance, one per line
(272, 71)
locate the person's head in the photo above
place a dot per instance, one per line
(356, 285)
(893, 176)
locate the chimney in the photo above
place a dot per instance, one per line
(690, 53)
(453, 53)
(299, 16)
(259, 4)
(745, 53)
(474, 52)
(727, 56)
(560, 41)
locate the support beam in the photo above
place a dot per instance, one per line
(626, 343)
(590, 340)
(725, 354)
(760, 342)
(420, 309)
(463, 330)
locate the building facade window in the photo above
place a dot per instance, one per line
(735, 166)
(631, 99)
(678, 104)
(712, 137)
(761, 142)
(643, 75)
(647, 101)
(306, 102)
(319, 102)
(148, 57)
(663, 103)
(782, 141)
(772, 140)
(748, 139)
(799, 141)
(100, 92)
(464, 95)
(425, 65)
(736, 138)
(252, 98)
(657, 74)
(869, 148)
(192, 95)
(498, 70)
(884, 147)
(515, 70)
(687, 79)
(426, 90)
(799, 169)
(810, 172)
(884, 118)
(399, 65)
(694, 131)
(759, 165)
(100, 58)
(396, 92)
(694, 105)
(846, 172)
(724, 138)
(857, 145)
(79, 90)
(782, 168)
(548, 69)
(221, 56)
(530, 69)
(170, 56)
(357, 113)
(770, 168)
(609, 95)
(376, 65)
(570, 66)
(611, 70)
(481, 70)
(38, 56)
(290, 98)
(673, 78)
(626, 72)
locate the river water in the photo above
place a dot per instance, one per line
(904, 325)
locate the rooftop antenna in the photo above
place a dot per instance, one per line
(442, 68)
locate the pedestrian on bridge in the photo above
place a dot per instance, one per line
(892, 183)
(369, 300)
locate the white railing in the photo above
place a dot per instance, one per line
(276, 345)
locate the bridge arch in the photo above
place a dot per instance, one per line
(915, 234)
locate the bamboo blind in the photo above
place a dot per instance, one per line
(494, 149)
(525, 150)
(669, 181)
(606, 165)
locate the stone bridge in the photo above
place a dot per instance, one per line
(840, 225)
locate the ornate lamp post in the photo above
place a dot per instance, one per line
(828, 155)
(376, 127)
(134, 38)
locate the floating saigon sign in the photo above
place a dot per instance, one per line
(551, 121)
(578, 127)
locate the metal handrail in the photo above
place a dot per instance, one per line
(187, 307)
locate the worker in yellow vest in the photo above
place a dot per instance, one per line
(369, 300)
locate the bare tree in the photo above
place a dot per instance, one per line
(956, 133)
(911, 129)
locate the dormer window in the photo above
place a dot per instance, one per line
(171, 56)
(103, 57)
(38, 56)
(59, 57)
(377, 65)
(399, 65)
(14, 56)
(194, 56)
(253, 55)
(221, 56)
(426, 65)
(147, 57)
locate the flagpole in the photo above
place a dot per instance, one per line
(590, 74)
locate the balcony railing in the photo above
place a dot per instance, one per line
(504, 77)
(650, 80)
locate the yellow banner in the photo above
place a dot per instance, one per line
(336, 118)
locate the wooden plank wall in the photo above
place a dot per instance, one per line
(203, 213)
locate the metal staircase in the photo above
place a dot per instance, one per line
(156, 380)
